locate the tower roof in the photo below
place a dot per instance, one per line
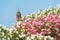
(18, 14)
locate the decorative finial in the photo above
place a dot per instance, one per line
(18, 10)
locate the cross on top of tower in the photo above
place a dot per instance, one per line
(18, 10)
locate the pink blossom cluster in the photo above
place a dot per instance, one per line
(44, 25)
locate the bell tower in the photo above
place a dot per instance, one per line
(18, 15)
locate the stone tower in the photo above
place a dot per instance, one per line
(18, 15)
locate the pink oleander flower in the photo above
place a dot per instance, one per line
(48, 31)
(42, 30)
(58, 25)
(59, 34)
(57, 29)
(28, 33)
(39, 23)
(43, 33)
(55, 39)
(33, 22)
(34, 32)
(22, 25)
(49, 26)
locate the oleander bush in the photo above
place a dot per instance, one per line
(43, 25)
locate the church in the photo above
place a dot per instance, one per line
(19, 18)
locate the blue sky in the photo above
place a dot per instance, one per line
(8, 8)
